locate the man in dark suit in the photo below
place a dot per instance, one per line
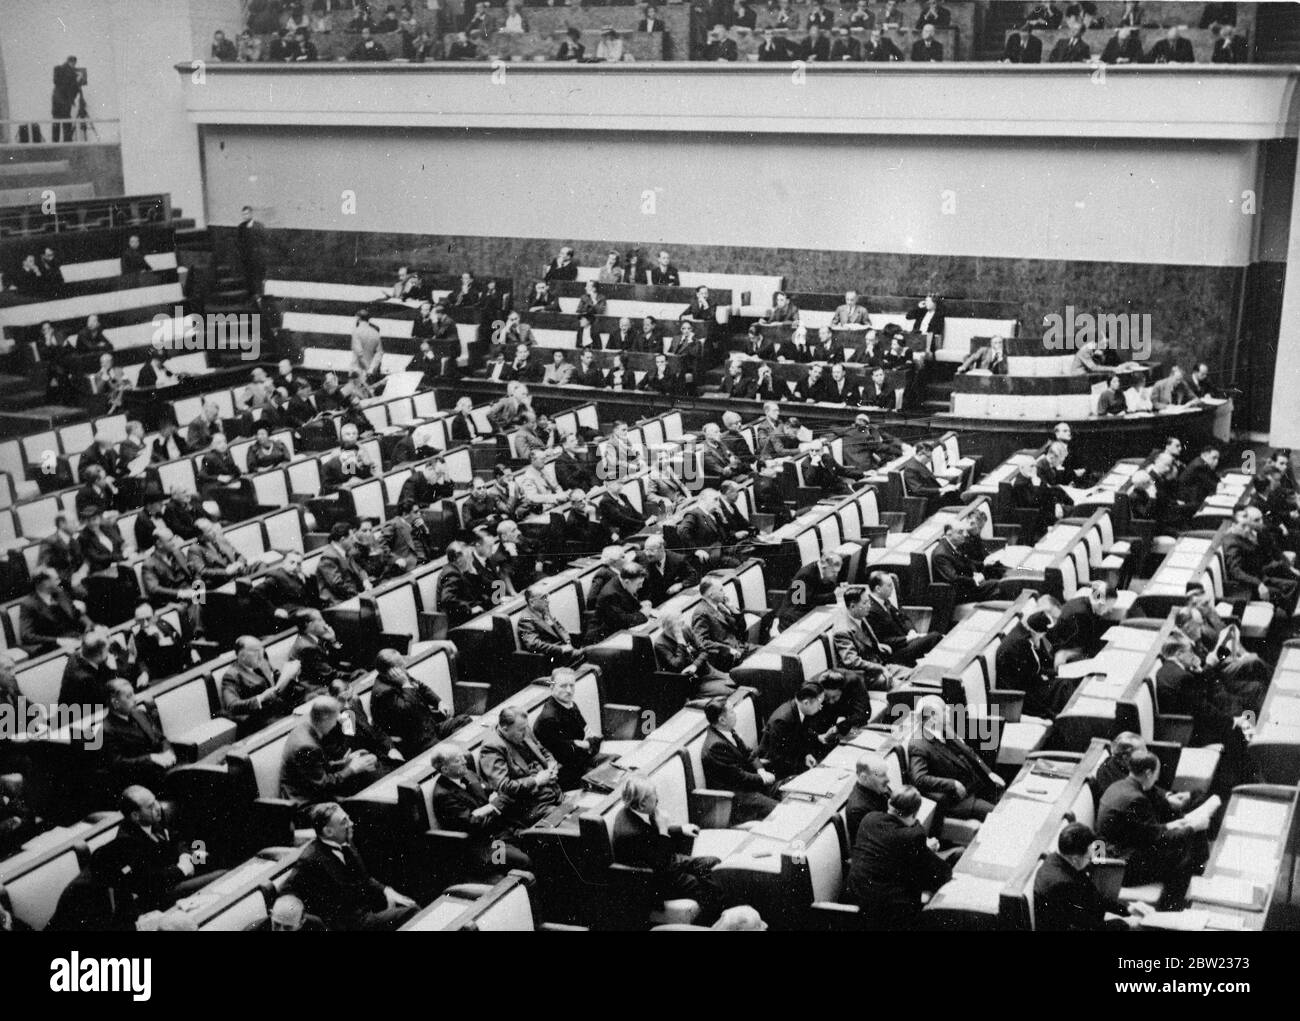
(898, 641)
(927, 48)
(946, 769)
(60, 552)
(335, 884)
(919, 479)
(790, 742)
(773, 48)
(251, 693)
(88, 671)
(950, 565)
(731, 765)
(563, 731)
(67, 91)
(410, 713)
(720, 628)
(1124, 47)
(1024, 663)
(134, 748)
(618, 514)
(213, 558)
(1200, 479)
(460, 595)
(1172, 49)
(817, 46)
(151, 866)
(47, 617)
(307, 774)
(667, 572)
(619, 604)
(643, 840)
(462, 804)
(288, 588)
(1081, 626)
(1065, 897)
(249, 245)
(339, 575)
(871, 792)
(892, 864)
(1023, 47)
(1072, 49)
(880, 50)
(1157, 842)
(813, 585)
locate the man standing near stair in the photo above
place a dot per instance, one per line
(248, 242)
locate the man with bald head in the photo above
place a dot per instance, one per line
(1252, 569)
(150, 864)
(289, 915)
(870, 793)
(251, 692)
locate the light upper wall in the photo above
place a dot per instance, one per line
(1118, 201)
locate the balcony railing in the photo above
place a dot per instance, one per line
(77, 131)
(86, 214)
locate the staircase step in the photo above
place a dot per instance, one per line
(24, 400)
(185, 223)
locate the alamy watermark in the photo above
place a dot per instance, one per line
(215, 331)
(24, 718)
(1119, 331)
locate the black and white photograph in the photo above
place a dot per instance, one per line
(699, 465)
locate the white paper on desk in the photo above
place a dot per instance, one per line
(1176, 921)
(1008, 831)
(1289, 660)
(1287, 680)
(820, 782)
(1134, 639)
(140, 464)
(1108, 689)
(1252, 856)
(1226, 890)
(1222, 500)
(787, 820)
(1255, 815)
(1103, 708)
(1193, 545)
(943, 657)
(1179, 560)
(1284, 712)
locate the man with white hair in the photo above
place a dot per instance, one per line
(289, 915)
(871, 791)
(741, 918)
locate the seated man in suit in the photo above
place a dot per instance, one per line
(134, 748)
(1158, 842)
(950, 564)
(318, 649)
(1200, 479)
(871, 791)
(898, 641)
(307, 774)
(846, 702)
(857, 651)
(1065, 897)
(542, 634)
(644, 840)
(217, 468)
(721, 630)
(1024, 663)
(990, 358)
(1081, 627)
(339, 575)
(48, 618)
(289, 589)
(813, 585)
(920, 480)
(460, 596)
(151, 866)
(667, 571)
(732, 765)
(213, 558)
(619, 605)
(945, 768)
(893, 863)
(678, 650)
(335, 884)
(462, 804)
(791, 742)
(251, 693)
(564, 732)
(516, 766)
(155, 649)
(410, 713)
(618, 514)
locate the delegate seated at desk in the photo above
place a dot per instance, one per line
(946, 769)
(731, 765)
(791, 743)
(893, 864)
(1065, 897)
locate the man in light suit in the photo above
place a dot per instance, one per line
(857, 651)
(519, 769)
(851, 314)
(541, 633)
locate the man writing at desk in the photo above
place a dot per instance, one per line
(1065, 896)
